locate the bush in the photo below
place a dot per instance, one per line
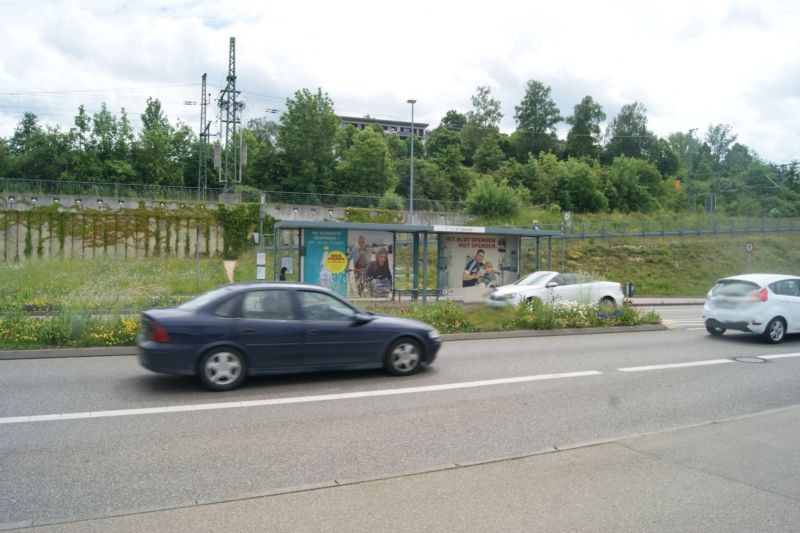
(493, 200)
(392, 201)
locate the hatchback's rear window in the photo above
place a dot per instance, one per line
(734, 287)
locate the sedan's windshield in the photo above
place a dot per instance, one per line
(536, 278)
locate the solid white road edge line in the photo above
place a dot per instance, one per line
(285, 401)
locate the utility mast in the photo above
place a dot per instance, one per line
(205, 125)
(230, 109)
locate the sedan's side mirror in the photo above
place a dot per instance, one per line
(551, 285)
(361, 318)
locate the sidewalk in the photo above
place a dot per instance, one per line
(737, 475)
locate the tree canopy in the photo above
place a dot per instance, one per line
(465, 158)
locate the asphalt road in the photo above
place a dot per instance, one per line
(112, 439)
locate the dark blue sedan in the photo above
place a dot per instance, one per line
(244, 329)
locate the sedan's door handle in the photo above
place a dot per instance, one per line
(313, 331)
(247, 330)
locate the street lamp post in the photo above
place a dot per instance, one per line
(411, 188)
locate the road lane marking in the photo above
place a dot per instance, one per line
(704, 363)
(779, 356)
(675, 365)
(291, 400)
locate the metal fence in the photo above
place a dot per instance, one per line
(678, 228)
(168, 192)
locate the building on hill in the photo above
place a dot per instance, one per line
(403, 129)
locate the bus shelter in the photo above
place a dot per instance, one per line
(366, 260)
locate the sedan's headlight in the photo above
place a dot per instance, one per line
(433, 334)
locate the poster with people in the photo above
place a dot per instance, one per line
(471, 265)
(370, 264)
(325, 260)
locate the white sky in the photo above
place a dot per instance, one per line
(691, 63)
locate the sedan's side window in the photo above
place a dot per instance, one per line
(227, 309)
(321, 306)
(273, 304)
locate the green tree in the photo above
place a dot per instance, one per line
(83, 125)
(27, 128)
(628, 134)
(264, 164)
(440, 139)
(545, 171)
(365, 167)
(483, 120)
(448, 160)
(454, 121)
(584, 134)
(637, 185)
(536, 116)
(155, 156)
(719, 140)
(307, 135)
(580, 188)
(46, 152)
(488, 155)
(85, 165)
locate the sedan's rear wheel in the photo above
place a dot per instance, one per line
(403, 357)
(222, 369)
(714, 329)
(776, 331)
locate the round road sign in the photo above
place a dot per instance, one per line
(748, 247)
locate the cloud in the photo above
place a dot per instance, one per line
(690, 63)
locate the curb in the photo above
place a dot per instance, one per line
(486, 335)
(54, 353)
(60, 353)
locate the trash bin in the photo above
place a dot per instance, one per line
(629, 289)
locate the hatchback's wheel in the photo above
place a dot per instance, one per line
(714, 329)
(222, 369)
(776, 331)
(403, 357)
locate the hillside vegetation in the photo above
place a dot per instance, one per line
(685, 266)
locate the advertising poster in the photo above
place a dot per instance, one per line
(471, 265)
(370, 264)
(325, 261)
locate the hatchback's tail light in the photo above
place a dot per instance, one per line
(156, 332)
(759, 296)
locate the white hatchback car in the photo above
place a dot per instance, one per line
(557, 287)
(765, 304)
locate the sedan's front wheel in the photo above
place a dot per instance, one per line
(403, 357)
(714, 329)
(776, 331)
(222, 369)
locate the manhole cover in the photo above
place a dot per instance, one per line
(749, 360)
